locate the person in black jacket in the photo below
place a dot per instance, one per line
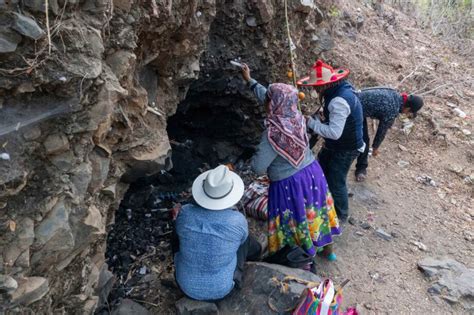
(383, 104)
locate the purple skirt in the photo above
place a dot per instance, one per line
(301, 211)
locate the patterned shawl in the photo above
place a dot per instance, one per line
(285, 124)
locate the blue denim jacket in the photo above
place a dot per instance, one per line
(207, 256)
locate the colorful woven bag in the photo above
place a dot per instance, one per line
(321, 300)
(255, 199)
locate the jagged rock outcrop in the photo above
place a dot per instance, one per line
(74, 121)
(451, 280)
(84, 104)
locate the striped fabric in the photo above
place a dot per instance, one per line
(255, 199)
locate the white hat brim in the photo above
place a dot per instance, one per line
(218, 204)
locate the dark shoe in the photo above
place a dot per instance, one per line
(361, 176)
(238, 284)
(294, 257)
(352, 221)
(343, 219)
(298, 258)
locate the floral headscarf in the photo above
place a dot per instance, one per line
(286, 125)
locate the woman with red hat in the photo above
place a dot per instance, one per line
(341, 129)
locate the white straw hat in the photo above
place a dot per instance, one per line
(218, 189)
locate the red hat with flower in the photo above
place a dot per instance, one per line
(321, 74)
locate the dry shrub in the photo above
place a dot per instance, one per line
(452, 20)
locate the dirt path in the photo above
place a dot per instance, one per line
(383, 273)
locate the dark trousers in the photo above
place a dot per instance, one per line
(336, 165)
(248, 251)
(363, 159)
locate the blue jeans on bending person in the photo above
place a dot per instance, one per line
(336, 165)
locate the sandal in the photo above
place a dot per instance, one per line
(327, 253)
(331, 257)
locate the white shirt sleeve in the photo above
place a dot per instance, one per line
(339, 110)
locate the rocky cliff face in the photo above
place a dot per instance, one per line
(84, 98)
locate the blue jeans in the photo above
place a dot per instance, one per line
(336, 165)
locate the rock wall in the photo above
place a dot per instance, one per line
(220, 121)
(78, 114)
(85, 96)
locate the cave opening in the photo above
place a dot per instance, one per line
(208, 128)
(217, 122)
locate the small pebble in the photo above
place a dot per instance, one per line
(420, 245)
(368, 306)
(459, 112)
(251, 21)
(381, 233)
(402, 163)
(365, 226)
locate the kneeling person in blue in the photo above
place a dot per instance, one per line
(214, 242)
(341, 128)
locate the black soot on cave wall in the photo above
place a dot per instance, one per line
(220, 121)
(210, 129)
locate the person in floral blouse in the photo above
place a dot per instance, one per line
(300, 207)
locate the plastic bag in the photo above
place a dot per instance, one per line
(321, 300)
